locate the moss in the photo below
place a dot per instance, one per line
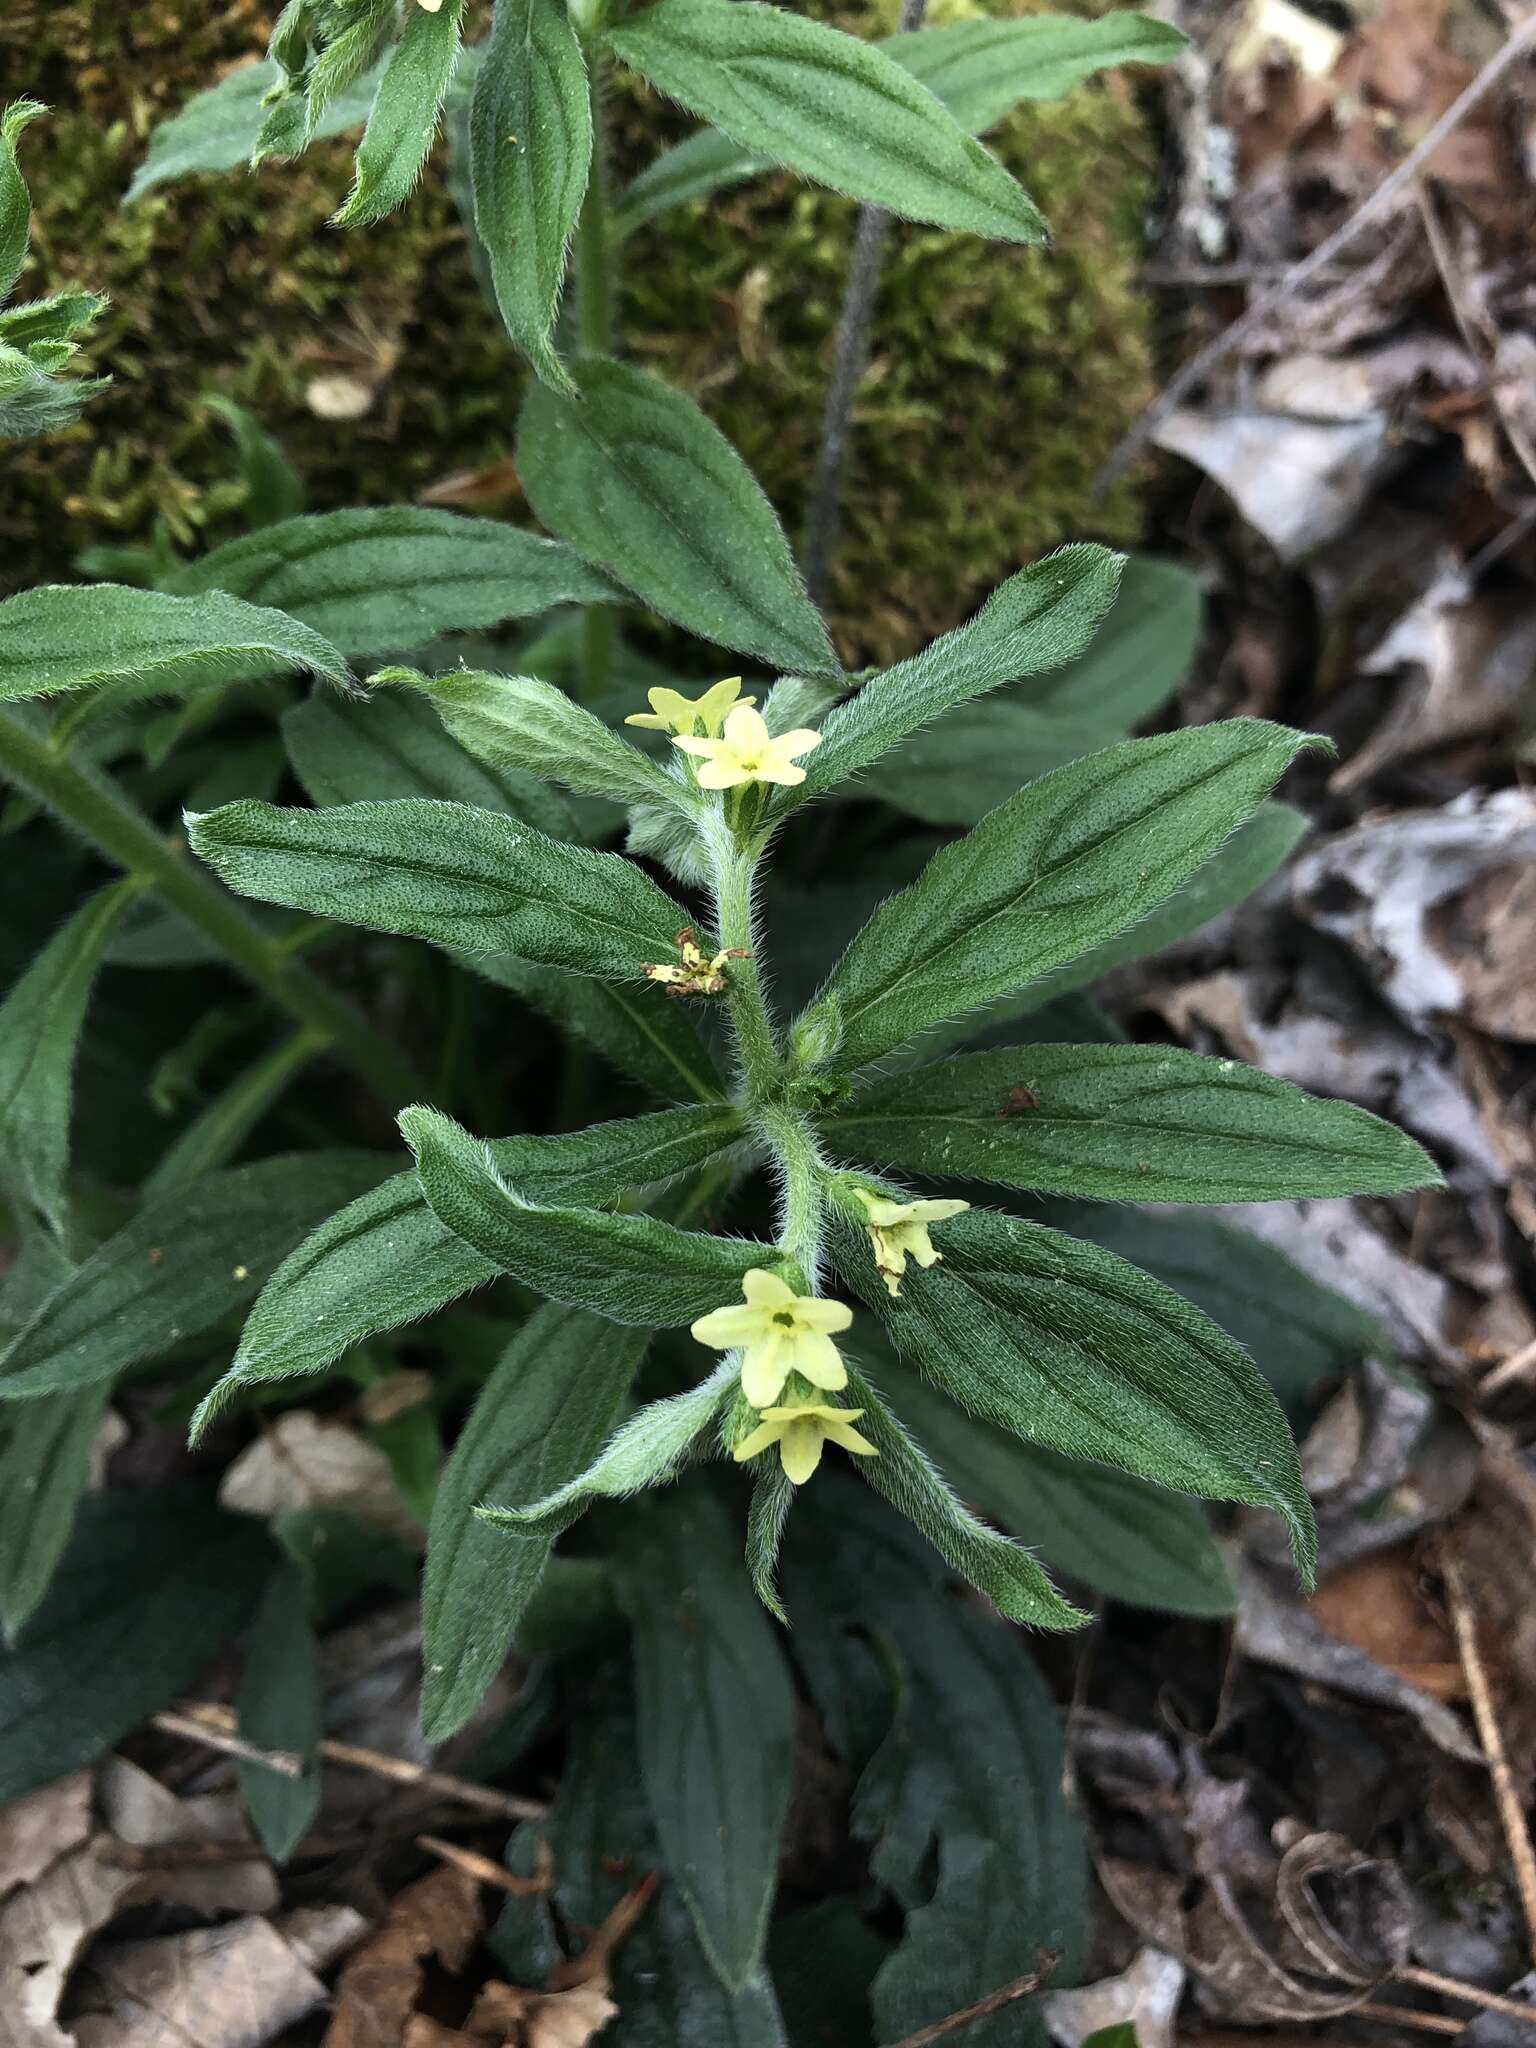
(1000, 377)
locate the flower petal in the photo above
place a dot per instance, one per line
(818, 1359)
(649, 720)
(843, 1433)
(745, 732)
(694, 743)
(766, 1289)
(935, 1212)
(771, 769)
(764, 1369)
(722, 774)
(760, 1438)
(826, 1316)
(724, 1328)
(800, 1449)
(801, 741)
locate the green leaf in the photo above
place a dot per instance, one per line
(978, 757)
(1124, 1537)
(653, 1042)
(403, 118)
(838, 111)
(692, 169)
(274, 490)
(76, 636)
(389, 579)
(1039, 619)
(1063, 866)
(15, 205)
(995, 1565)
(539, 1419)
(394, 745)
(957, 1742)
(1067, 1346)
(518, 722)
(637, 479)
(473, 880)
(187, 1260)
(279, 1708)
(385, 1260)
(530, 129)
(717, 1719)
(632, 1268)
(218, 129)
(982, 70)
(152, 1587)
(40, 1022)
(1144, 1123)
(45, 1461)
(1140, 654)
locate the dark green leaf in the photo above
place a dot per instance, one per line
(187, 1260)
(654, 1042)
(539, 1419)
(76, 636)
(1060, 1343)
(403, 118)
(637, 479)
(632, 1268)
(473, 880)
(717, 1720)
(151, 1588)
(1065, 865)
(693, 169)
(45, 1460)
(279, 1708)
(274, 490)
(389, 579)
(530, 129)
(837, 110)
(218, 129)
(1144, 1123)
(977, 757)
(982, 69)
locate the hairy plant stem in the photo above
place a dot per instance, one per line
(596, 290)
(103, 816)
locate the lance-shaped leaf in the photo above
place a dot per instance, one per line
(15, 205)
(632, 1268)
(45, 1461)
(389, 579)
(1065, 1345)
(693, 169)
(519, 722)
(474, 880)
(636, 478)
(77, 636)
(539, 1420)
(717, 1720)
(649, 1450)
(530, 132)
(279, 1706)
(982, 69)
(403, 118)
(393, 745)
(1039, 619)
(834, 109)
(218, 129)
(994, 1563)
(1144, 1123)
(1125, 1538)
(655, 1043)
(385, 1260)
(1068, 863)
(40, 1024)
(188, 1259)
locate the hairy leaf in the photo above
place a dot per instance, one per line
(274, 490)
(279, 1707)
(717, 1720)
(837, 110)
(45, 1461)
(1060, 868)
(15, 205)
(77, 636)
(692, 169)
(539, 1420)
(473, 880)
(636, 478)
(218, 129)
(653, 1042)
(389, 579)
(530, 129)
(983, 69)
(1065, 1345)
(403, 118)
(1143, 1123)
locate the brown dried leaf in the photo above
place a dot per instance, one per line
(439, 1916)
(42, 1826)
(303, 1460)
(234, 1986)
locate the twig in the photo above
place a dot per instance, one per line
(489, 1871)
(1515, 1367)
(1505, 1791)
(208, 1722)
(1200, 365)
(849, 361)
(994, 2001)
(1404, 2016)
(1469, 1994)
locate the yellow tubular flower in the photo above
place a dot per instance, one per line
(899, 1231)
(748, 752)
(672, 712)
(778, 1332)
(800, 1434)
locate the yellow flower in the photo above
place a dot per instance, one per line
(694, 975)
(899, 1231)
(748, 752)
(779, 1332)
(430, 6)
(671, 711)
(800, 1434)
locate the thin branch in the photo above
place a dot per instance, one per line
(1469, 1994)
(1008, 1994)
(1200, 365)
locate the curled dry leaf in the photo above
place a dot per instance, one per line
(303, 1460)
(44, 1825)
(439, 1917)
(234, 1986)
(1145, 1995)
